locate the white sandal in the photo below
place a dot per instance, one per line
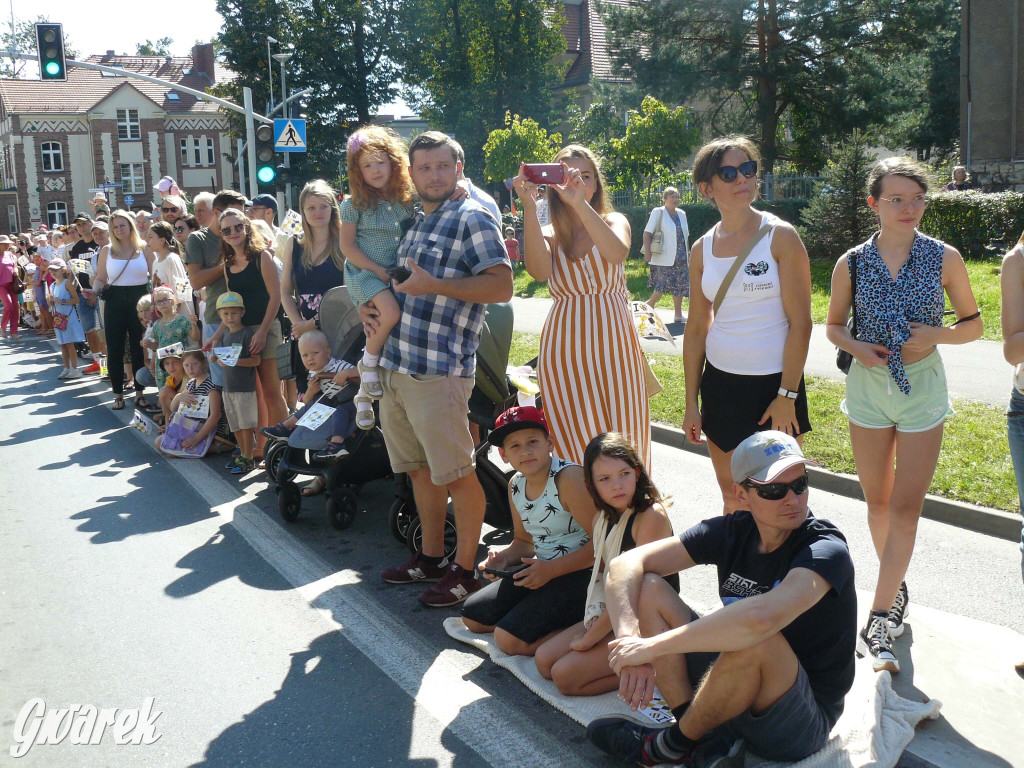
(372, 389)
(365, 417)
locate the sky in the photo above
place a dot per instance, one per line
(120, 25)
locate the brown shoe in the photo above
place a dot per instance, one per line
(454, 587)
(414, 569)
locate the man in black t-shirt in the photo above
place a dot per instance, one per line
(785, 637)
(88, 307)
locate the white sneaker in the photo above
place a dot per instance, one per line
(63, 373)
(73, 373)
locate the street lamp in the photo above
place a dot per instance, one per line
(282, 59)
(270, 68)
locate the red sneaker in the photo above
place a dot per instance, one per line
(454, 587)
(94, 368)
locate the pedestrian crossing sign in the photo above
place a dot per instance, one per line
(289, 135)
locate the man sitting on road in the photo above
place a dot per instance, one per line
(457, 264)
(785, 637)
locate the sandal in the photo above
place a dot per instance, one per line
(118, 403)
(365, 417)
(315, 488)
(142, 402)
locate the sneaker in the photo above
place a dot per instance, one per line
(899, 611)
(631, 742)
(73, 373)
(332, 451)
(454, 587)
(243, 466)
(373, 389)
(94, 368)
(235, 455)
(874, 641)
(414, 569)
(277, 432)
(1019, 668)
(63, 373)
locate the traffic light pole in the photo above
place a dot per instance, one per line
(250, 140)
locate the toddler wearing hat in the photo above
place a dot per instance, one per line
(239, 381)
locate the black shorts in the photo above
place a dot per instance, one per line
(731, 404)
(530, 614)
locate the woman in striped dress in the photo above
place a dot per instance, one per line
(592, 370)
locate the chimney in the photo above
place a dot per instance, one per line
(202, 60)
(110, 53)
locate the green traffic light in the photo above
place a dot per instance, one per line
(53, 68)
(266, 174)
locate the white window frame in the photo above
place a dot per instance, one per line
(133, 182)
(56, 214)
(128, 126)
(183, 146)
(52, 154)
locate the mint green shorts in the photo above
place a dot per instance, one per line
(874, 401)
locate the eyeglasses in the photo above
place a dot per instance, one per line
(777, 491)
(237, 229)
(728, 173)
(920, 201)
(165, 301)
(169, 210)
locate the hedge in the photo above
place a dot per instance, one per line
(977, 224)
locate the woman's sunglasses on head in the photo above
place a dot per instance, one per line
(728, 173)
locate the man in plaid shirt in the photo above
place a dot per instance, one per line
(458, 262)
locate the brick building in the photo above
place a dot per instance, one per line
(586, 48)
(59, 141)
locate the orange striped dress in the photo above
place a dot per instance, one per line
(591, 368)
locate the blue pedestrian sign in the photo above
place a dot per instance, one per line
(289, 135)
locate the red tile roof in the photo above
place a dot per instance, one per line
(85, 88)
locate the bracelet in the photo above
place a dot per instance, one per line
(788, 393)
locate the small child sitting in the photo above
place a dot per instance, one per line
(174, 383)
(327, 375)
(552, 515)
(199, 384)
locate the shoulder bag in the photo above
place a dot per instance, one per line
(657, 236)
(844, 359)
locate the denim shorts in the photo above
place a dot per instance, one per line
(874, 401)
(89, 316)
(1015, 434)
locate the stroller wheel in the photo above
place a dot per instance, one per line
(272, 459)
(414, 538)
(289, 502)
(341, 509)
(400, 515)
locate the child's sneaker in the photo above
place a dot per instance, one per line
(372, 387)
(73, 373)
(235, 455)
(874, 642)
(454, 587)
(243, 466)
(414, 569)
(332, 451)
(63, 373)
(277, 432)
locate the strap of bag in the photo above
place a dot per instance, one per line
(657, 223)
(119, 274)
(731, 274)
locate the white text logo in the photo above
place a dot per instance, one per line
(82, 724)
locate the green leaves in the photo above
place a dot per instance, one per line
(521, 141)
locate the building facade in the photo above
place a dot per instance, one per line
(60, 142)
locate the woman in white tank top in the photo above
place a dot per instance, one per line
(746, 361)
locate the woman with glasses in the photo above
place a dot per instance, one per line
(896, 399)
(744, 360)
(184, 227)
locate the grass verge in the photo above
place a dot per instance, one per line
(974, 464)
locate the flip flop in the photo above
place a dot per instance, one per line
(315, 488)
(118, 403)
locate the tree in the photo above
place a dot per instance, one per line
(472, 61)
(656, 138)
(809, 60)
(160, 48)
(521, 141)
(838, 216)
(21, 38)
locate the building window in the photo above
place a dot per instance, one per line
(132, 182)
(56, 215)
(128, 124)
(53, 160)
(211, 158)
(199, 151)
(184, 151)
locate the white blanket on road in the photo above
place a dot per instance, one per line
(876, 726)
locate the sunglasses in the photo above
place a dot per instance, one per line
(237, 229)
(180, 230)
(728, 173)
(169, 210)
(778, 491)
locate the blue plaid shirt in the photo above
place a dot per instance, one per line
(439, 335)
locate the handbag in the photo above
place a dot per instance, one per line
(731, 274)
(60, 321)
(657, 236)
(844, 359)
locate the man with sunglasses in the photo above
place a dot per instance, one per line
(784, 639)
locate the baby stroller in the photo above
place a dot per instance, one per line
(492, 394)
(367, 460)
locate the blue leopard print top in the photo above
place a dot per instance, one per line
(887, 307)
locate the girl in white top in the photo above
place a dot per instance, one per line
(750, 356)
(167, 267)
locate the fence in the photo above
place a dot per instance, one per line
(773, 188)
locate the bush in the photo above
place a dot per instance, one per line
(975, 223)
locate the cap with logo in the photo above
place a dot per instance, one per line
(765, 455)
(516, 418)
(230, 299)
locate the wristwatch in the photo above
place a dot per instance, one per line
(790, 393)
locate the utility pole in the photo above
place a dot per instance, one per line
(283, 59)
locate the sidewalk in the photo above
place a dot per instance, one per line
(975, 371)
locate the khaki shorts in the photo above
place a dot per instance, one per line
(874, 401)
(426, 424)
(241, 410)
(274, 339)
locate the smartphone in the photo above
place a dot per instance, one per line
(544, 173)
(399, 274)
(506, 572)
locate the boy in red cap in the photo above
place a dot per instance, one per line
(539, 581)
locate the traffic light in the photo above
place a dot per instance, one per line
(265, 170)
(284, 174)
(50, 45)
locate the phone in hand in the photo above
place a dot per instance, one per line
(399, 274)
(506, 572)
(544, 173)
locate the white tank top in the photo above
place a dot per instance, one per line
(748, 334)
(135, 272)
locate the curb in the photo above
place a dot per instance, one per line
(971, 517)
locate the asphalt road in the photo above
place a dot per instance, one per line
(129, 576)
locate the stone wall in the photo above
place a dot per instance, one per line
(999, 176)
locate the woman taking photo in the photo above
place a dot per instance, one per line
(896, 399)
(123, 267)
(670, 269)
(592, 370)
(745, 360)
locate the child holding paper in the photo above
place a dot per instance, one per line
(239, 369)
(174, 378)
(200, 402)
(169, 328)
